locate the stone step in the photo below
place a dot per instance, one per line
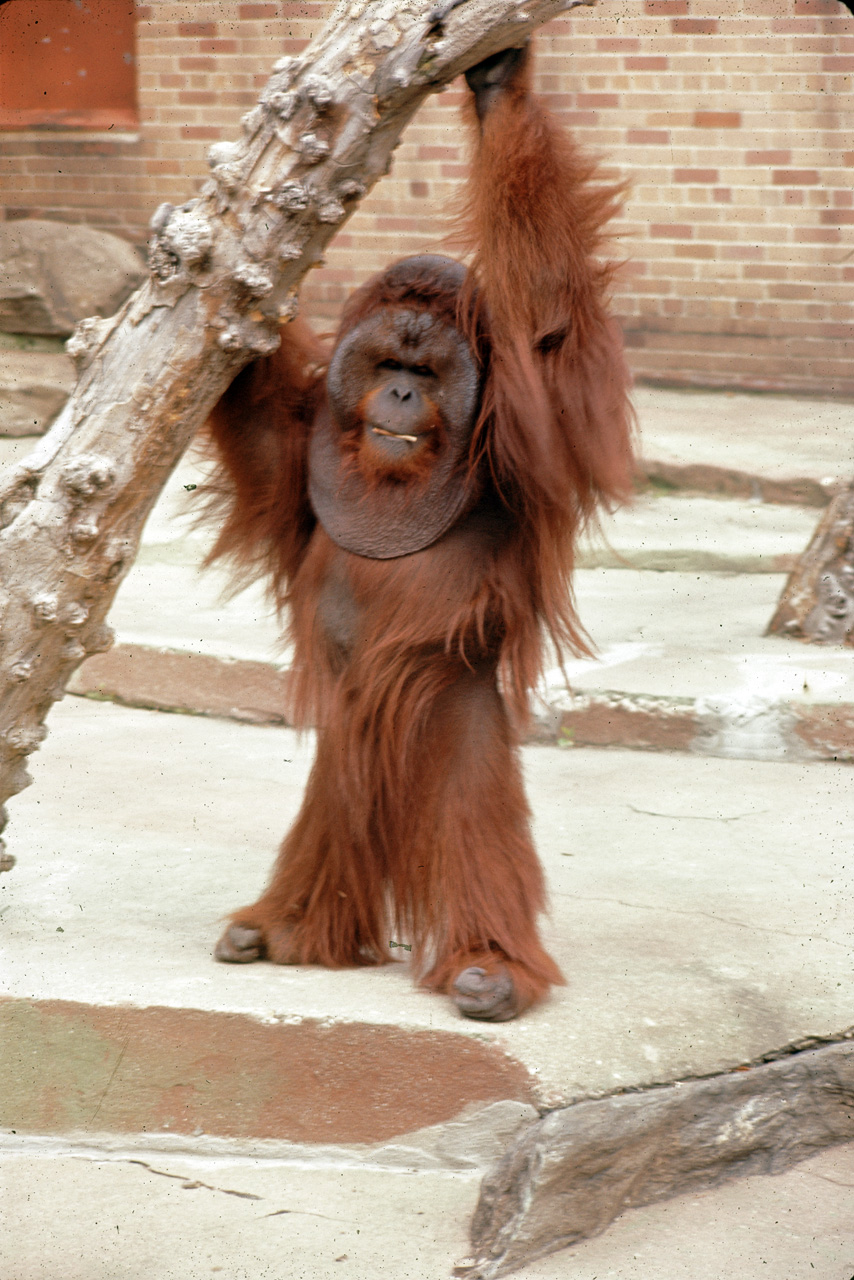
(676, 593)
(682, 663)
(703, 534)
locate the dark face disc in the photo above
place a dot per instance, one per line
(386, 518)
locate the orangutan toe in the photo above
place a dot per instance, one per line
(240, 945)
(490, 997)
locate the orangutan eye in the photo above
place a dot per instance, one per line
(422, 370)
(389, 364)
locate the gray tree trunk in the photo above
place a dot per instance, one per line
(225, 269)
(817, 603)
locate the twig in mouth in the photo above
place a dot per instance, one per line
(395, 435)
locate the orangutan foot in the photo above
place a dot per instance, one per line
(490, 997)
(240, 945)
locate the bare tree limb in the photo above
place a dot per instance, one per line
(225, 269)
(817, 603)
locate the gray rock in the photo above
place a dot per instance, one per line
(575, 1170)
(52, 275)
(34, 386)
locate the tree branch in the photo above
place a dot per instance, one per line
(817, 603)
(225, 270)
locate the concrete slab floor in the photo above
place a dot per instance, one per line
(698, 635)
(700, 907)
(706, 534)
(141, 1215)
(163, 1218)
(770, 435)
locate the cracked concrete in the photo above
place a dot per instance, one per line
(95, 1218)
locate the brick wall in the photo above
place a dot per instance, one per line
(200, 66)
(732, 120)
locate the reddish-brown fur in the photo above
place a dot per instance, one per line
(414, 825)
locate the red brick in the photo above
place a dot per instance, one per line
(218, 46)
(671, 231)
(201, 131)
(764, 272)
(817, 235)
(695, 175)
(694, 26)
(653, 63)
(767, 157)
(258, 11)
(837, 63)
(660, 8)
(197, 29)
(740, 252)
(795, 177)
(197, 98)
(793, 26)
(197, 64)
(595, 100)
(617, 44)
(648, 137)
(430, 152)
(695, 250)
(838, 217)
(717, 119)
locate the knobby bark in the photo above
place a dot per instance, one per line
(817, 603)
(224, 272)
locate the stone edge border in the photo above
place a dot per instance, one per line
(574, 1171)
(701, 477)
(203, 684)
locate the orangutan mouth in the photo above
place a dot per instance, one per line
(395, 435)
